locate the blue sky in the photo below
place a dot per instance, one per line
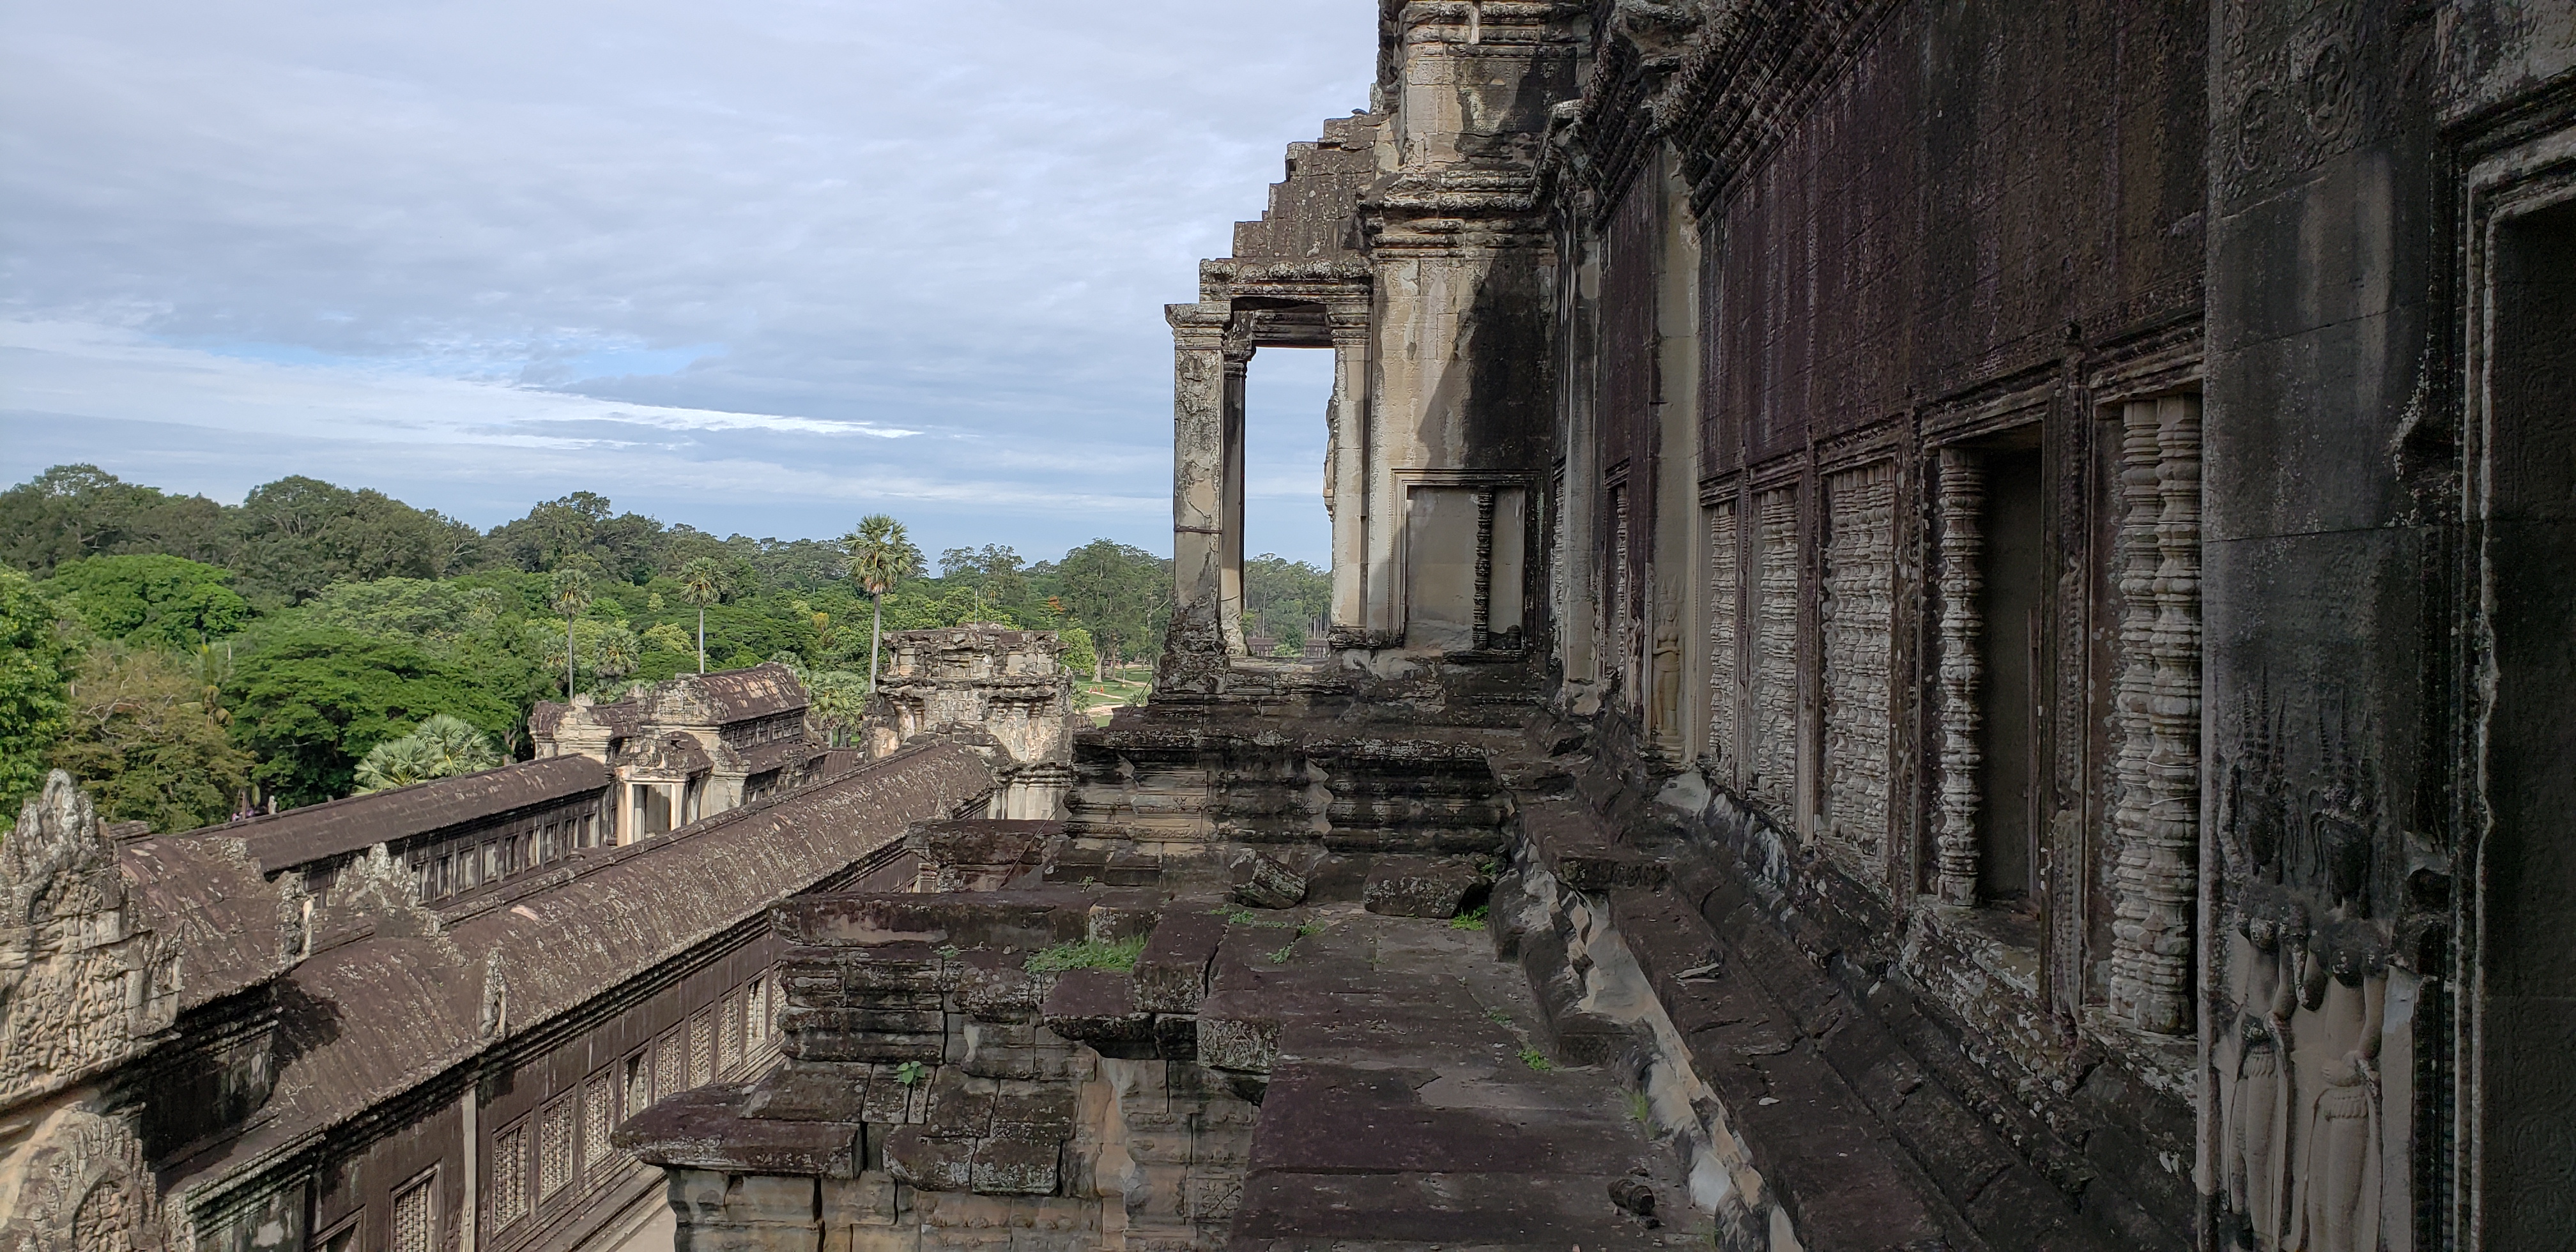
(757, 267)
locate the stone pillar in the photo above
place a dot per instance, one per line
(1238, 363)
(1195, 644)
(1346, 477)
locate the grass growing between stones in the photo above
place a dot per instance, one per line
(1536, 1059)
(1118, 954)
(1472, 919)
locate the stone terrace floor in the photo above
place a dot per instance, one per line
(1412, 1104)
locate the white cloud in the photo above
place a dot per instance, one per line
(694, 252)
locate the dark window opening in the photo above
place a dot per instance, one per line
(2530, 857)
(2014, 570)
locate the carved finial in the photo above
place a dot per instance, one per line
(496, 997)
(55, 849)
(378, 888)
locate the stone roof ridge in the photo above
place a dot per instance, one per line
(381, 894)
(588, 861)
(1308, 216)
(383, 1016)
(353, 823)
(231, 926)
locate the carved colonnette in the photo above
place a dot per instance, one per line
(1960, 508)
(2157, 817)
(1856, 617)
(1725, 638)
(1774, 714)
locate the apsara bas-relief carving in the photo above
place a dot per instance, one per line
(2313, 1051)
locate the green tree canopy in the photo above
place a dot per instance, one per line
(295, 536)
(442, 746)
(143, 739)
(74, 511)
(1281, 596)
(417, 607)
(312, 700)
(36, 656)
(1122, 593)
(159, 601)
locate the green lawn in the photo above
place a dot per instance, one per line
(1126, 684)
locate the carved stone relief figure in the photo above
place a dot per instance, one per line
(2254, 1087)
(83, 978)
(78, 1185)
(2335, 1205)
(2303, 1133)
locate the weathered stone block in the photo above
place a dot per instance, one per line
(1096, 1006)
(1171, 974)
(1410, 886)
(919, 1157)
(1236, 1032)
(1264, 883)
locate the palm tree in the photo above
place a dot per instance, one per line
(703, 582)
(880, 553)
(569, 594)
(442, 746)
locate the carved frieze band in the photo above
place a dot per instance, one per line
(1960, 503)
(2156, 818)
(1857, 613)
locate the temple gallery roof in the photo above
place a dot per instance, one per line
(375, 1018)
(338, 827)
(723, 698)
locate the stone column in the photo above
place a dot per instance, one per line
(1346, 478)
(1195, 645)
(1238, 363)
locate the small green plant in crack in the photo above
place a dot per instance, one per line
(949, 951)
(1642, 1109)
(1280, 957)
(1118, 954)
(910, 1072)
(1499, 1016)
(1472, 919)
(1536, 1059)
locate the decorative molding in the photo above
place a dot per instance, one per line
(1960, 506)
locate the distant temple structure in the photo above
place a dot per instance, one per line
(408, 1021)
(1950, 631)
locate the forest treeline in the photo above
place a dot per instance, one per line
(188, 659)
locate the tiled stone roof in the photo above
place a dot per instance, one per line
(337, 827)
(377, 1017)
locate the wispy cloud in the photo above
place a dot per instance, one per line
(750, 266)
